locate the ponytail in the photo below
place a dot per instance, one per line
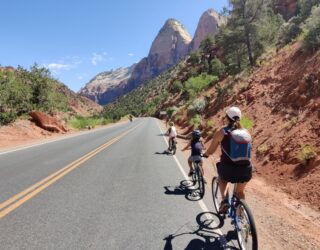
(234, 124)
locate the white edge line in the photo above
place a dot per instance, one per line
(57, 139)
(201, 203)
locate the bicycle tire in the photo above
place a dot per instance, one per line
(201, 186)
(174, 148)
(216, 194)
(245, 231)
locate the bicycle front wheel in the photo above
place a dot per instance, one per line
(216, 194)
(200, 181)
(245, 226)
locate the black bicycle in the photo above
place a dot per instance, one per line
(173, 146)
(198, 179)
(240, 215)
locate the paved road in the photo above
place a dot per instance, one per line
(107, 189)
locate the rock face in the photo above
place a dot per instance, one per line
(170, 45)
(108, 85)
(287, 8)
(46, 122)
(209, 23)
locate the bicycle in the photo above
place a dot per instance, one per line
(197, 177)
(173, 146)
(240, 215)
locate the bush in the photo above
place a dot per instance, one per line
(80, 122)
(194, 58)
(210, 123)
(289, 31)
(306, 154)
(263, 149)
(217, 68)
(195, 85)
(312, 30)
(172, 111)
(195, 121)
(177, 87)
(197, 106)
(246, 123)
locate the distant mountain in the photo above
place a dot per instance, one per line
(209, 23)
(172, 43)
(108, 85)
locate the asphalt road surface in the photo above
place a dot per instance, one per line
(110, 188)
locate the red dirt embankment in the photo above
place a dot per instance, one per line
(282, 98)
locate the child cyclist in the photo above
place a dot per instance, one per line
(172, 132)
(196, 151)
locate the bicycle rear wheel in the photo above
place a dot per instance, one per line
(200, 180)
(216, 194)
(246, 228)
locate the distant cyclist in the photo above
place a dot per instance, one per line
(235, 161)
(130, 117)
(196, 151)
(172, 132)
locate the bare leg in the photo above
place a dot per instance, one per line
(240, 190)
(223, 185)
(201, 168)
(190, 165)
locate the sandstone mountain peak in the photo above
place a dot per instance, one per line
(209, 23)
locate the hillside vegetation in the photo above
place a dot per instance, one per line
(266, 66)
(22, 91)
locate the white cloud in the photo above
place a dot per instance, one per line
(80, 77)
(57, 67)
(131, 54)
(96, 58)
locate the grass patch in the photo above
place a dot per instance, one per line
(246, 122)
(80, 122)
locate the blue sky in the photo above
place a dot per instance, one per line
(77, 39)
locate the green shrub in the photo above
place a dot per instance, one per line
(217, 68)
(80, 122)
(195, 121)
(172, 111)
(197, 106)
(289, 31)
(195, 85)
(194, 58)
(246, 122)
(312, 30)
(306, 154)
(177, 87)
(263, 149)
(210, 124)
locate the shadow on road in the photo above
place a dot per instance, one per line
(186, 188)
(205, 235)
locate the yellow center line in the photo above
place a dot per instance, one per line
(20, 198)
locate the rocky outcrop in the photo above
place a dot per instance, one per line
(287, 8)
(171, 44)
(209, 23)
(46, 122)
(108, 85)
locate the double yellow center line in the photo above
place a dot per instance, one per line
(17, 200)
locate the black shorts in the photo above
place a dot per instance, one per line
(234, 174)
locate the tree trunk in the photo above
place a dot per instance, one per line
(248, 44)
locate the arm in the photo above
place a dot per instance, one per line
(217, 138)
(186, 147)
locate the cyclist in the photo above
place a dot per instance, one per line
(172, 132)
(232, 168)
(130, 117)
(196, 151)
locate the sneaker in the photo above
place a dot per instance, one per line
(224, 206)
(190, 173)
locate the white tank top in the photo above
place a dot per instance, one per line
(173, 132)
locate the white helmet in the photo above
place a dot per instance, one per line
(233, 112)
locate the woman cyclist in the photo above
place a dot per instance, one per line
(196, 151)
(239, 172)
